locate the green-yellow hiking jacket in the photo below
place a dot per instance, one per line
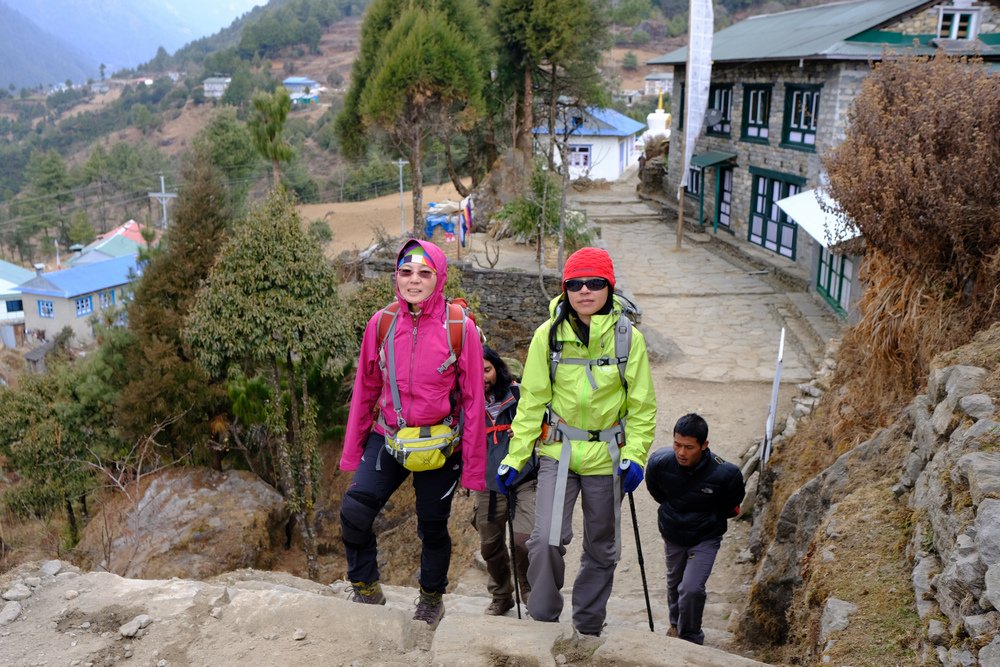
(577, 403)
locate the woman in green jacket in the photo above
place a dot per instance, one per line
(587, 405)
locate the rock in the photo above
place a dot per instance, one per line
(10, 612)
(132, 628)
(827, 556)
(299, 634)
(983, 625)
(836, 617)
(977, 406)
(32, 582)
(988, 531)
(51, 567)
(71, 594)
(937, 632)
(991, 596)
(982, 470)
(192, 523)
(923, 571)
(989, 655)
(810, 390)
(17, 592)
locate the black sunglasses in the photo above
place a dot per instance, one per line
(593, 284)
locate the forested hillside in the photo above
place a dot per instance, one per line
(30, 57)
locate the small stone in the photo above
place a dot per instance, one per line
(560, 659)
(74, 663)
(216, 612)
(17, 592)
(299, 634)
(827, 556)
(129, 629)
(33, 582)
(144, 620)
(937, 633)
(71, 594)
(161, 663)
(85, 625)
(128, 653)
(10, 612)
(51, 567)
(67, 575)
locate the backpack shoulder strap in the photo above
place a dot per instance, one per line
(385, 319)
(623, 343)
(456, 334)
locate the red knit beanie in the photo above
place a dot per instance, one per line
(587, 263)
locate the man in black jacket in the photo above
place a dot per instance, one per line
(697, 492)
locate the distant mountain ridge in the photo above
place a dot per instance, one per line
(30, 56)
(122, 33)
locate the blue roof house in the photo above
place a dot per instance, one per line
(76, 297)
(11, 307)
(600, 142)
(302, 90)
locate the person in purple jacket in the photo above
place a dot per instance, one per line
(417, 408)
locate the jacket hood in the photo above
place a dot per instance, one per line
(435, 301)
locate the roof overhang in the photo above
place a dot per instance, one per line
(712, 158)
(807, 210)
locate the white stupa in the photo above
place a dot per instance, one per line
(658, 123)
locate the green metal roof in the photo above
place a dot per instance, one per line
(812, 32)
(709, 158)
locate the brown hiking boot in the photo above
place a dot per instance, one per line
(499, 607)
(672, 632)
(367, 593)
(430, 608)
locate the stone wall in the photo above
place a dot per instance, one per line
(950, 479)
(511, 303)
(841, 83)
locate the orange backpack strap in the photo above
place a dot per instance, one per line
(456, 331)
(385, 318)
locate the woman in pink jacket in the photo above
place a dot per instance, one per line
(417, 407)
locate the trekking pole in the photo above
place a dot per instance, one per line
(513, 550)
(642, 565)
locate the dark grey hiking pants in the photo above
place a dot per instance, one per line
(546, 564)
(687, 574)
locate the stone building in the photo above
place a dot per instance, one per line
(781, 89)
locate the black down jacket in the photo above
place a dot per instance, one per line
(694, 502)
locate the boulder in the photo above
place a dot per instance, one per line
(188, 522)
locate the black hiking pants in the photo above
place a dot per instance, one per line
(375, 480)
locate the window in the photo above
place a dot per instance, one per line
(756, 113)
(770, 227)
(696, 176)
(579, 157)
(680, 121)
(834, 279)
(801, 116)
(107, 299)
(15, 306)
(84, 306)
(721, 99)
(958, 24)
(46, 309)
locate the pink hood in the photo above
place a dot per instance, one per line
(421, 346)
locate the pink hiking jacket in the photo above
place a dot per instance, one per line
(421, 347)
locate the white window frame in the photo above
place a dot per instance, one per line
(802, 116)
(46, 309)
(721, 98)
(956, 14)
(107, 299)
(84, 305)
(758, 101)
(578, 156)
(696, 180)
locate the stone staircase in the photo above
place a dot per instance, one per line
(466, 636)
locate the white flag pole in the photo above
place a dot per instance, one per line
(698, 75)
(765, 449)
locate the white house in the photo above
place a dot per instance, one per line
(215, 86)
(601, 143)
(11, 306)
(658, 82)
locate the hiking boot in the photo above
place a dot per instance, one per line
(499, 607)
(367, 593)
(672, 632)
(430, 608)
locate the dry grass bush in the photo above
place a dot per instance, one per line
(919, 174)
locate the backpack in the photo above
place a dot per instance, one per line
(458, 311)
(623, 341)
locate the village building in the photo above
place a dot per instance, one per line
(215, 86)
(600, 143)
(781, 90)
(76, 297)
